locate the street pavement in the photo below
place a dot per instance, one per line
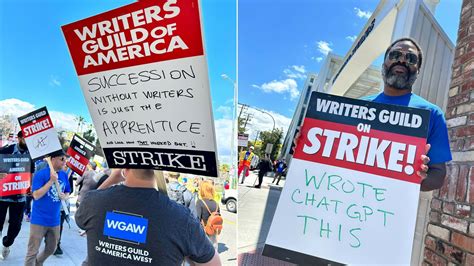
(255, 210)
(227, 247)
(74, 246)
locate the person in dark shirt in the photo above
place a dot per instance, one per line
(15, 204)
(264, 166)
(135, 224)
(206, 204)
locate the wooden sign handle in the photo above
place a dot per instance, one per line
(56, 183)
(160, 182)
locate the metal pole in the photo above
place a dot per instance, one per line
(233, 150)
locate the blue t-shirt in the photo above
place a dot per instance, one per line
(440, 151)
(46, 210)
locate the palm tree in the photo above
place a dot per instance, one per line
(80, 121)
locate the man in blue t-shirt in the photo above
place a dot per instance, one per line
(45, 216)
(400, 69)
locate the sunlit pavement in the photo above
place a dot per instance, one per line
(256, 209)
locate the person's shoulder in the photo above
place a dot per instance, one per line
(42, 172)
(170, 208)
(370, 97)
(420, 102)
(7, 149)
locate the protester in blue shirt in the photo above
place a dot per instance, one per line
(45, 216)
(400, 69)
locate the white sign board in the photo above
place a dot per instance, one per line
(143, 71)
(352, 191)
(243, 140)
(39, 133)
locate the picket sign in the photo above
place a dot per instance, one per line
(58, 188)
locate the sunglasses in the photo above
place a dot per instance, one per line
(410, 58)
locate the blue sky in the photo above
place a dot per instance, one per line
(280, 41)
(36, 69)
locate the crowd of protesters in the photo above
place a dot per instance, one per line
(47, 209)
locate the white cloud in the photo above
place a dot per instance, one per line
(362, 14)
(281, 86)
(54, 81)
(226, 111)
(295, 72)
(351, 38)
(255, 86)
(263, 122)
(223, 132)
(16, 107)
(323, 47)
(300, 69)
(319, 59)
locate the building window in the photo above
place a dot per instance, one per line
(311, 80)
(303, 110)
(308, 92)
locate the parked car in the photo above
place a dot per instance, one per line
(229, 198)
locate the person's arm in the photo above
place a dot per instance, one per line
(215, 261)
(434, 177)
(199, 249)
(188, 197)
(114, 178)
(39, 193)
(199, 209)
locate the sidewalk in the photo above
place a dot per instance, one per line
(256, 209)
(73, 245)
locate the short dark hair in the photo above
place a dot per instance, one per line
(420, 52)
(20, 134)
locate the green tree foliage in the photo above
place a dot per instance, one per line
(267, 137)
(98, 149)
(89, 135)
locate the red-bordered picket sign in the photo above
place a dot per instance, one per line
(144, 75)
(15, 169)
(80, 151)
(351, 194)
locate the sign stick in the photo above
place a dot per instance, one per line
(58, 188)
(160, 182)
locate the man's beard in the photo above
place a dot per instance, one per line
(399, 82)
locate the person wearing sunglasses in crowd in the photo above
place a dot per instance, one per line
(402, 64)
(45, 215)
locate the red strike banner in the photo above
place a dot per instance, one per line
(15, 184)
(77, 162)
(380, 153)
(36, 126)
(135, 34)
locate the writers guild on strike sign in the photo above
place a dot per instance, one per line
(351, 164)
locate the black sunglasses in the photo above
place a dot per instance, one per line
(410, 58)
